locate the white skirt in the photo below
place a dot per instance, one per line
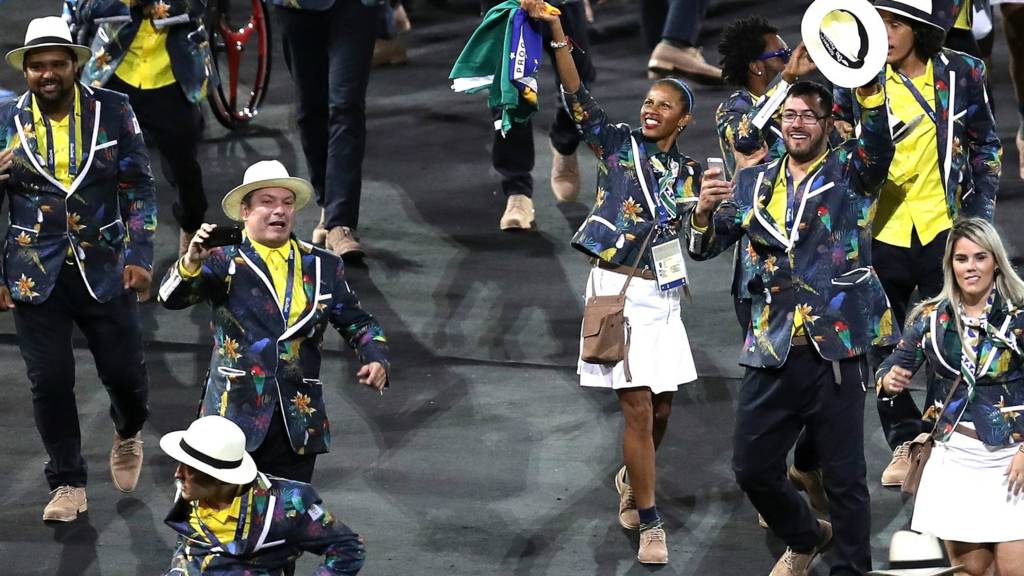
(659, 352)
(963, 493)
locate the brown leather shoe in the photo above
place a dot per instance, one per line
(184, 239)
(896, 472)
(669, 60)
(653, 549)
(126, 461)
(319, 237)
(389, 52)
(66, 502)
(518, 213)
(343, 242)
(810, 482)
(565, 176)
(629, 518)
(797, 563)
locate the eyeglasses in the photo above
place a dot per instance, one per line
(807, 117)
(785, 53)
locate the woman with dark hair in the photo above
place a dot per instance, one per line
(644, 185)
(970, 335)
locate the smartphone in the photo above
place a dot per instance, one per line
(720, 165)
(223, 236)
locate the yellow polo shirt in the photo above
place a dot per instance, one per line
(147, 64)
(912, 196)
(61, 139)
(276, 260)
(777, 209)
(223, 523)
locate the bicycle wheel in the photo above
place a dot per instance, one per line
(241, 60)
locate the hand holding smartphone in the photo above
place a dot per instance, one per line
(223, 236)
(719, 164)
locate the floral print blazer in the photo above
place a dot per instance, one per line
(996, 403)
(622, 216)
(970, 153)
(285, 519)
(259, 363)
(823, 264)
(111, 26)
(107, 216)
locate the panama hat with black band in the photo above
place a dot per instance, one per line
(265, 174)
(47, 32)
(917, 10)
(846, 39)
(215, 446)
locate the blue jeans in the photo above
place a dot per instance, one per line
(676, 21)
(328, 54)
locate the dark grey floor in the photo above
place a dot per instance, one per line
(484, 456)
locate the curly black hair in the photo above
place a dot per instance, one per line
(742, 42)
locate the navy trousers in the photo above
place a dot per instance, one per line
(774, 405)
(114, 335)
(328, 54)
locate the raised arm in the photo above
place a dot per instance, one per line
(869, 155)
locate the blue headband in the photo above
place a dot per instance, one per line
(686, 89)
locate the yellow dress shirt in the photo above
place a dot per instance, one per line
(913, 196)
(964, 18)
(61, 139)
(146, 63)
(276, 260)
(223, 523)
(777, 209)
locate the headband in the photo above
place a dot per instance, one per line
(686, 90)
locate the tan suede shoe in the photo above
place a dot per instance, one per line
(629, 518)
(66, 502)
(653, 549)
(798, 563)
(810, 482)
(896, 472)
(126, 461)
(518, 213)
(343, 242)
(669, 60)
(565, 176)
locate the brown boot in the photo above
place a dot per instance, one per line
(389, 52)
(565, 176)
(518, 213)
(629, 518)
(797, 563)
(896, 472)
(669, 60)
(343, 242)
(126, 461)
(65, 504)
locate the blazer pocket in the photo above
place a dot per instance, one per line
(853, 277)
(112, 233)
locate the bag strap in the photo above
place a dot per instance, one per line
(945, 404)
(636, 265)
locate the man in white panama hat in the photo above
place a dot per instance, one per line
(272, 297)
(78, 251)
(232, 519)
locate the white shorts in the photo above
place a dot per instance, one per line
(659, 352)
(963, 495)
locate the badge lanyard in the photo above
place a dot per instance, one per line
(51, 160)
(918, 96)
(669, 265)
(287, 307)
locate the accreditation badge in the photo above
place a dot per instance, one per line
(669, 266)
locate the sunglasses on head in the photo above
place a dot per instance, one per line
(785, 53)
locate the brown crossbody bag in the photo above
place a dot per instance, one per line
(921, 448)
(605, 326)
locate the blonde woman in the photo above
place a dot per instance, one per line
(971, 336)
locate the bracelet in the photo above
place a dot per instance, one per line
(556, 45)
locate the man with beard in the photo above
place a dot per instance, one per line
(78, 251)
(817, 308)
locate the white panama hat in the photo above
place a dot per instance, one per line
(846, 39)
(265, 174)
(213, 445)
(47, 32)
(913, 554)
(917, 10)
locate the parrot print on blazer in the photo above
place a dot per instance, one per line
(970, 153)
(822, 265)
(996, 402)
(107, 216)
(259, 363)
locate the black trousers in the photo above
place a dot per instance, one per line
(512, 155)
(903, 270)
(113, 333)
(774, 405)
(174, 125)
(328, 54)
(276, 457)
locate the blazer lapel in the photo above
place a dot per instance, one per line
(25, 126)
(89, 129)
(814, 185)
(764, 187)
(311, 274)
(944, 79)
(259, 267)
